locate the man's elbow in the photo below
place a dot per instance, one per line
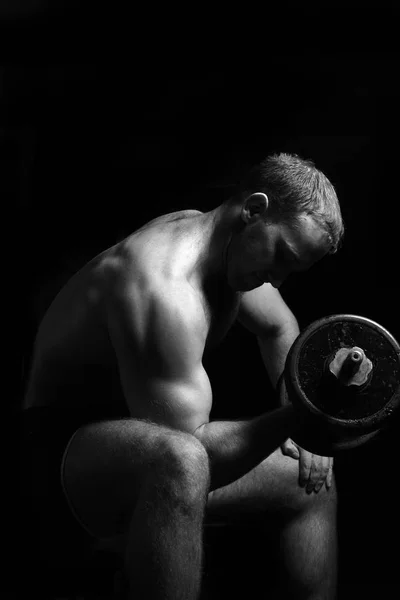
(279, 332)
(199, 432)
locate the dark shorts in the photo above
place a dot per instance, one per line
(44, 437)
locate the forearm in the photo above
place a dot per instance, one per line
(274, 350)
(236, 447)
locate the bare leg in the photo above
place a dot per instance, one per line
(308, 544)
(164, 551)
(151, 482)
(309, 552)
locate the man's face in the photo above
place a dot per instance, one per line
(270, 252)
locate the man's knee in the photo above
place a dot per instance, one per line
(110, 467)
(183, 461)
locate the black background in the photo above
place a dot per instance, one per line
(104, 126)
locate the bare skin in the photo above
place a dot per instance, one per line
(130, 330)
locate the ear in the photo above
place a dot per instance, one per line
(255, 206)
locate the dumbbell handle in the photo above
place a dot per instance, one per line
(352, 362)
(351, 366)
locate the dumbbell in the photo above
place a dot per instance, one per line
(342, 374)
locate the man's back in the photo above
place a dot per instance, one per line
(74, 362)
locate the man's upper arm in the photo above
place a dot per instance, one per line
(264, 312)
(159, 343)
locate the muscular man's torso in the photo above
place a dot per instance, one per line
(74, 363)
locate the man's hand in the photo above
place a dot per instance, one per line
(314, 470)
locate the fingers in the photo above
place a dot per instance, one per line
(329, 477)
(314, 471)
(319, 474)
(305, 467)
(288, 448)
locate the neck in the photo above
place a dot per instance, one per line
(219, 226)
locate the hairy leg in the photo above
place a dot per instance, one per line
(150, 483)
(308, 544)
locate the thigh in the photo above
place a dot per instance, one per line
(272, 487)
(105, 466)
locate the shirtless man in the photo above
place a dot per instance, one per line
(117, 379)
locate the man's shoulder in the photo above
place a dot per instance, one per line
(164, 315)
(134, 286)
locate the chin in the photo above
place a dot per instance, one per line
(247, 286)
(244, 283)
(254, 287)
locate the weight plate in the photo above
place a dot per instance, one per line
(314, 389)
